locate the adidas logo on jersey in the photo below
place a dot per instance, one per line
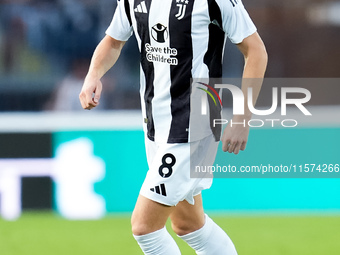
(141, 8)
(159, 189)
(233, 2)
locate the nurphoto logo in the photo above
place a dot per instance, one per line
(239, 104)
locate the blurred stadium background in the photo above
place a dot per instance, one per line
(69, 178)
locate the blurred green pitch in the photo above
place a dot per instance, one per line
(45, 233)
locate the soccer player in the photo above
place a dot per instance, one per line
(178, 40)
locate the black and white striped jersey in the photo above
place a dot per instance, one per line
(178, 40)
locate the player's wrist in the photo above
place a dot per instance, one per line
(243, 117)
(93, 76)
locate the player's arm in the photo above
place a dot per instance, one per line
(104, 57)
(235, 138)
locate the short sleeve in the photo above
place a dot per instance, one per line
(121, 27)
(236, 21)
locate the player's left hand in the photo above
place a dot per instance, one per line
(235, 137)
(90, 92)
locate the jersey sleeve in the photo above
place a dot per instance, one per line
(236, 21)
(121, 27)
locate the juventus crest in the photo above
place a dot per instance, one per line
(182, 6)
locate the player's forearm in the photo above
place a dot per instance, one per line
(105, 56)
(254, 69)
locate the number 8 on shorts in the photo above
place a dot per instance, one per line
(165, 170)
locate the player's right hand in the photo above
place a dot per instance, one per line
(90, 93)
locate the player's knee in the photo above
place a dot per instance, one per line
(181, 227)
(138, 227)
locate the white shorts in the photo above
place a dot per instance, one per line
(168, 180)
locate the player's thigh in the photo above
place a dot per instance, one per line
(186, 218)
(149, 216)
